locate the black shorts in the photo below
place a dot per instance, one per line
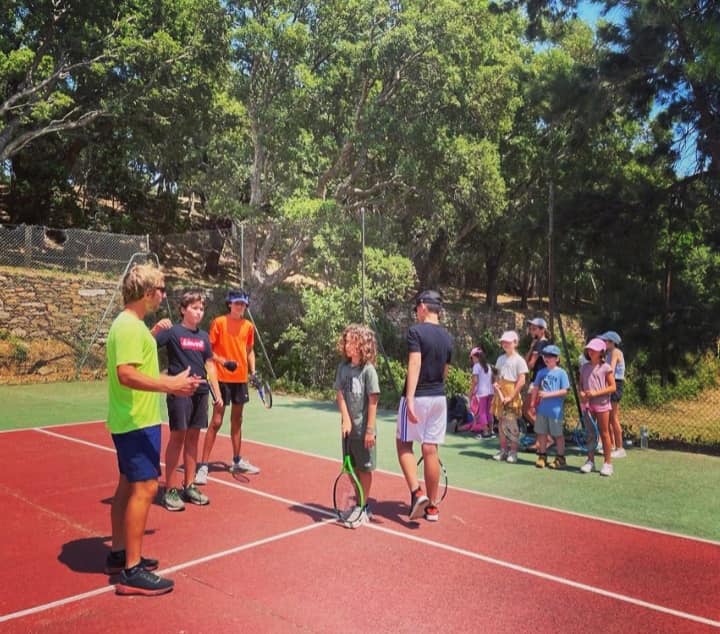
(188, 412)
(617, 395)
(363, 459)
(235, 393)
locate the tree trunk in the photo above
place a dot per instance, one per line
(430, 273)
(492, 267)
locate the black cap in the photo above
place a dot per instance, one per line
(431, 298)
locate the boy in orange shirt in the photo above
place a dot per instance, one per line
(232, 338)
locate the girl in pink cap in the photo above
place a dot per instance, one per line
(597, 383)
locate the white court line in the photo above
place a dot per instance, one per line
(33, 428)
(92, 593)
(534, 505)
(649, 529)
(549, 577)
(467, 553)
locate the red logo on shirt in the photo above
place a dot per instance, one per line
(186, 343)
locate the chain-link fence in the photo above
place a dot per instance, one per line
(60, 290)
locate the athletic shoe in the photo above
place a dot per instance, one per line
(362, 518)
(432, 513)
(541, 461)
(368, 511)
(115, 563)
(607, 469)
(201, 475)
(588, 466)
(558, 463)
(418, 503)
(618, 453)
(501, 455)
(172, 500)
(486, 435)
(244, 466)
(143, 582)
(195, 496)
(512, 457)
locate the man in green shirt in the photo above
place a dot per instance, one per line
(134, 381)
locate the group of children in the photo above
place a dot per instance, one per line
(601, 379)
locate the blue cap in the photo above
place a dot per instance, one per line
(611, 335)
(237, 296)
(551, 351)
(538, 321)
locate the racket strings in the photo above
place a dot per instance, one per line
(346, 497)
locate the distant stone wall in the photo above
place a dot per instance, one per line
(35, 305)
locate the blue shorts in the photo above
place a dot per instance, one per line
(138, 453)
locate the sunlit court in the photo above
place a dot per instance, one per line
(268, 555)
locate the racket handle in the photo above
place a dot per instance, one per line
(212, 393)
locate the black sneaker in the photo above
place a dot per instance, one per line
(418, 503)
(115, 563)
(143, 582)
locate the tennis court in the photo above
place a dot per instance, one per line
(266, 556)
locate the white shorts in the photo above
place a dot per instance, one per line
(431, 412)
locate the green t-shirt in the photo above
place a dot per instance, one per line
(356, 384)
(129, 342)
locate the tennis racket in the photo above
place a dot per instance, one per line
(348, 495)
(586, 434)
(442, 484)
(263, 391)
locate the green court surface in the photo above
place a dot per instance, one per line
(666, 490)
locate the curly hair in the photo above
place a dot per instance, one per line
(365, 339)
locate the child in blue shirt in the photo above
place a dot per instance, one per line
(547, 398)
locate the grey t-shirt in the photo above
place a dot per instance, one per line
(510, 368)
(357, 383)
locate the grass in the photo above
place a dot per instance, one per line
(667, 490)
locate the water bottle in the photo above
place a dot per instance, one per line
(643, 437)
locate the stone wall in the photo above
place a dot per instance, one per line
(47, 319)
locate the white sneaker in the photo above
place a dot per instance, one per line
(244, 466)
(501, 455)
(588, 466)
(201, 475)
(607, 469)
(512, 457)
(361, 518)
(618, 453)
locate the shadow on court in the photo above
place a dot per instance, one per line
(87, 555)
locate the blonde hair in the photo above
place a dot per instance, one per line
(365, 339)
(140, 279)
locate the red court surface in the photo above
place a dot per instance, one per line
(265, 556)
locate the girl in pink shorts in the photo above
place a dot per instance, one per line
(597, 383)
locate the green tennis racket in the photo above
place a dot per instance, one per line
(348, 495)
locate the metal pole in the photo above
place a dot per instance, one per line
(242, 255)
(362, 259)
(551, 270)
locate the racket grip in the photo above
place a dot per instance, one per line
(212, 393)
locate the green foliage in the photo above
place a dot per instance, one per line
(649, 389)
(312, 355)
(458, 381)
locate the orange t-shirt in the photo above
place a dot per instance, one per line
(232, 339)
